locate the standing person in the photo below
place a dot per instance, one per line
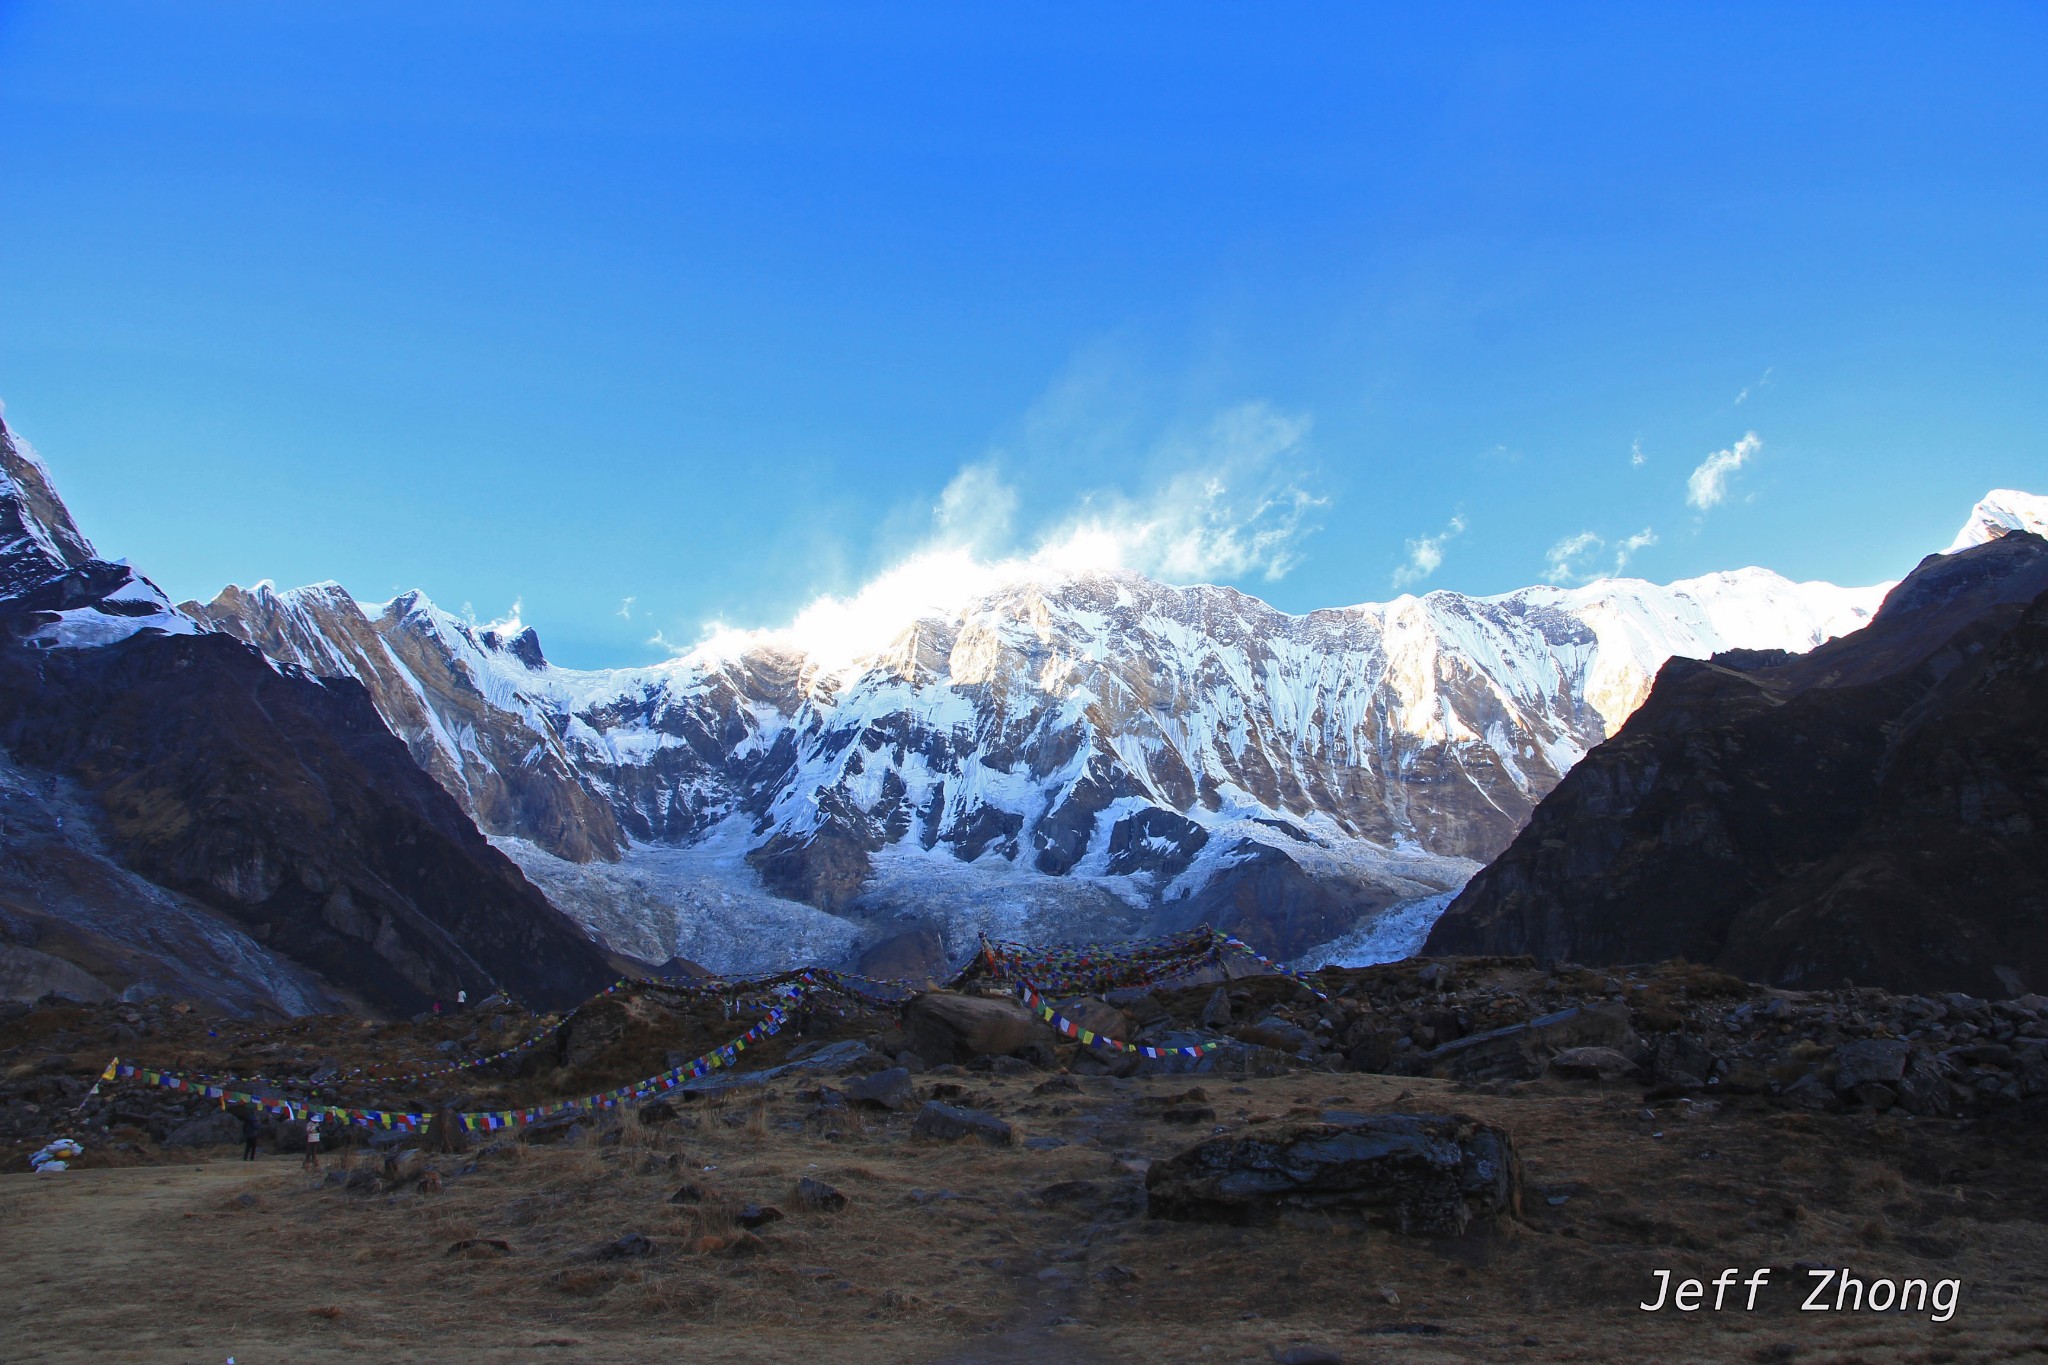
(251, 1131)
(462, 1002)
(312, 1161)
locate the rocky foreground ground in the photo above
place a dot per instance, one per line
(1454, 1160)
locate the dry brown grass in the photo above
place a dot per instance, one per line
(171, 1265)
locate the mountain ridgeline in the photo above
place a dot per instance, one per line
(1875, 811)
(273, 803)
(1090, 755)
(314, 795)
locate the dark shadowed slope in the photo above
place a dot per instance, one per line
(1876, 810)
(278, 801)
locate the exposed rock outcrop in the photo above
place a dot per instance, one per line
(278, 802)
(1417, 1173)
(1872, 811)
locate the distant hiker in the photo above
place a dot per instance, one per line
(437, 1007)
(312, 1161)
(462, 1000)
(251, 1131)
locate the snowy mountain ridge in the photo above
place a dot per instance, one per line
(1086, 753)
(2002, 510)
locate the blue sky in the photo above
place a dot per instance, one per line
(717, 309)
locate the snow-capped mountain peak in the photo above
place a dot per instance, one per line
(2002, 510)
(52, 580)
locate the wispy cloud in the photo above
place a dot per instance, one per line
(1707, 486)
(508, 624)
(1583, 557)
(1636, 458)
(1238, 506)
(1234, 500)
(1763, 382)
(1426, 553)
(976, 506)
(1628, 546)
(625, 612)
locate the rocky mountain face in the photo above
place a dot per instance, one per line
(274, 804)
(470, 728)
(1871, 811)
(1076, 756)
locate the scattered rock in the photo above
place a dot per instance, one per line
(744, 1244)
(214, 1128)
(446, 1134)
(1276, 1033)
(1808, 1093)
(944, 1121)
(1591, 1064)
(1216, 1014)
(630, 1246)
(1097, 1016)
(1878, 1060)
(404, 1165)
(757, 1215)
(1520, 1051)
(688, 1194)
(954, 1028)
(480, 1247)
(815, 1196)
(1306, 1355)
(1070, 1191)
(565, 1128)
(890, 1089)
(1416, 1173)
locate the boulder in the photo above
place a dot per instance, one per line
(815, 1196)
(945, 1027)
(214, 1128)
(1372, 1049)
(479, 1248)
(1591, 1064)
(1097, 1016)
(1282, 1035)
(1880, 1061)
(629, 1247)
(1681, 1061)
(1924, 1088)
(1519, 1052)
(1416, 1173)
(1216, 1014)
(1807, 1092)
(403, 1165)
(1233, 1056)
(566, 1128)
(887, 1089)
(446, 1134)
(946, 1122)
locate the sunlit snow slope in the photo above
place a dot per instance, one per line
(1068, 755)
